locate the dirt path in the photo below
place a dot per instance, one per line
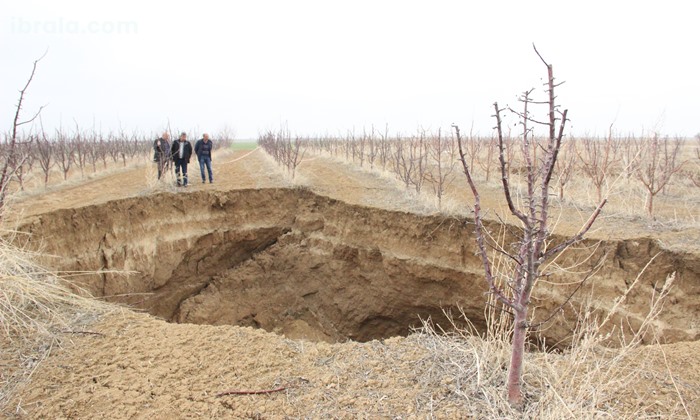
(232, 170)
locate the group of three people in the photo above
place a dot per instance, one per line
(180, 153)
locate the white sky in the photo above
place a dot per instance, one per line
(331, 66)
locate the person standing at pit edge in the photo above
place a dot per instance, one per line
(203, 149)
(161, 152)
(181, 153)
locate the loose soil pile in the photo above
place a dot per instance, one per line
(143, 368)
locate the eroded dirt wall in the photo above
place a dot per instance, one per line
(291, 261)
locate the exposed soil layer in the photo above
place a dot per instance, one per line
(307, 266)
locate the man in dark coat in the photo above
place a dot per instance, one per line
(161, 153)
(181, 153)
(203, 150)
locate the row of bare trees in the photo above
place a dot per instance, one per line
(287, 152)
(649, 161)
(418, 162)
(66, 152)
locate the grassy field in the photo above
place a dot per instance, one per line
(244, 145)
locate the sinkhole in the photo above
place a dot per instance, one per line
(307, 266)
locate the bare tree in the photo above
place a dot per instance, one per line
(473, 147)
(373, 147)
(65, 153)
(658, 163)
(361, 145)
(597, 160)
(45, 154)
(629, 155)
(402, 164)
(295, 154)
(534, 237)
(91, 147)
(22, 161)
(443, 154)
(419, 155)
(384, 148)
(487, 162)
(284, 151)
(10, 157)
(694, 175)
(565, 165)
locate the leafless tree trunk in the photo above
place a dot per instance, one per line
(532, 245)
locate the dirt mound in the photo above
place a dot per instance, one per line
(294, 262)
(134, 366)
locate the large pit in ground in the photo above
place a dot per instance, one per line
(307, 266)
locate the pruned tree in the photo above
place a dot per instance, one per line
(102, 147)
(487, 161)
(81, 148)
(565, 165)
(533, 246)
(23, 159)
(45, 154)
(419, 155)
(403, 166)
(372, 146)
(65, 153)
(11, 159)
(285, 151)
(384, 148)
(694, 175)
(473, 147)
(597, 160)
(443, 154)
(295, 151)
(629, 155)
(658, 163)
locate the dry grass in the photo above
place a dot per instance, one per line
(586, 380)
(37, 310)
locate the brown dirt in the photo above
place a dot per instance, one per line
(143, 368)
(247, 251)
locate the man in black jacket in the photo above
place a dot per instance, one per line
(203, 150)
(161, 153)
(181, 153)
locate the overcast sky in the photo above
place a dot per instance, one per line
(331, 66)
